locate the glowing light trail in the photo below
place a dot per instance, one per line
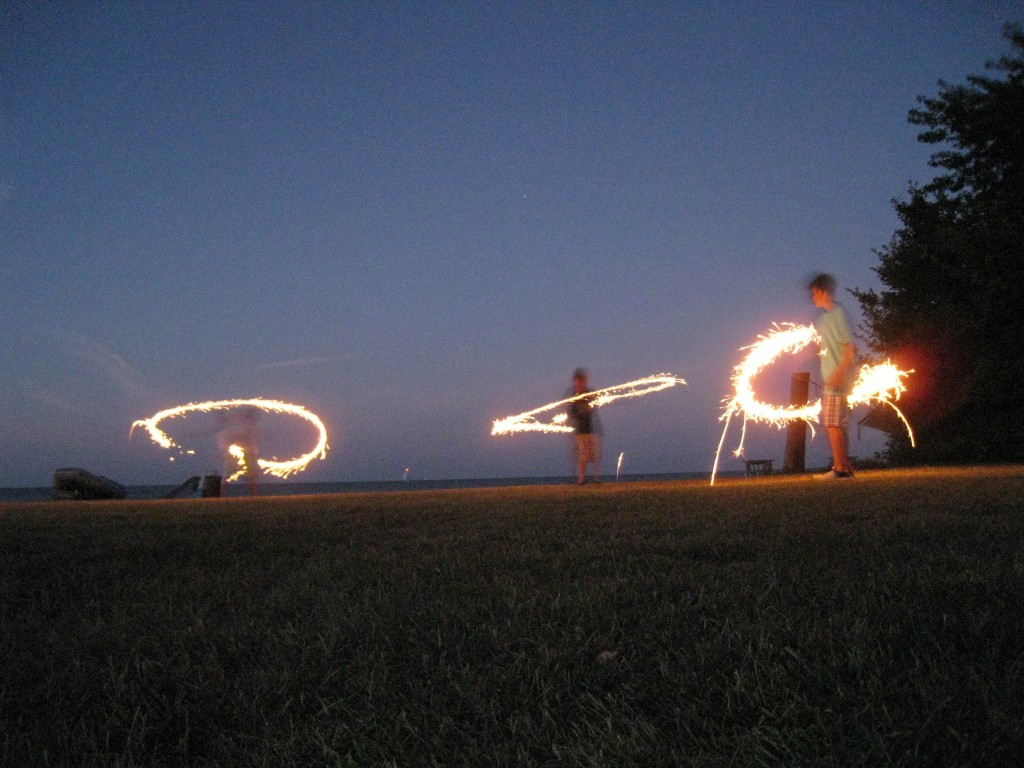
(527, 422)
(882, 383)
(270, 467)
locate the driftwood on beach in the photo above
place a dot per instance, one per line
(186, 489)
(207, 486)
(75, 483)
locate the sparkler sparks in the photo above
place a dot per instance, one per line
(882, 383)
(527, 422)
(270, 467)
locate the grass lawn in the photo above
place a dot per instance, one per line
(773, 621)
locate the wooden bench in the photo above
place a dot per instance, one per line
(758, 466)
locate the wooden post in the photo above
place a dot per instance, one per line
(796, 432)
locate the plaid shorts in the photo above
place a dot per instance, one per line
(589, 447)
(835, 411)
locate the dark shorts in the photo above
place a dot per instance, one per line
(835, 411)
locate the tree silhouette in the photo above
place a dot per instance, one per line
(953, 307)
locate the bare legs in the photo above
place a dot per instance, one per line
(839, 441)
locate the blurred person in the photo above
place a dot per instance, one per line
(241, 430)
(837, 373)
(586, 428)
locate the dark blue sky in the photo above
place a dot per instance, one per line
(415, 218)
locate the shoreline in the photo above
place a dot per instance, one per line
(300, 488)
(282, 492)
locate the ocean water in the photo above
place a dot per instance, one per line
(287, 488)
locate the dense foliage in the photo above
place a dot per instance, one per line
(954, 273)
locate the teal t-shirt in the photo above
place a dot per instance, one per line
(834, 332)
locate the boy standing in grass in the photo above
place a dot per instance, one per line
(837, 356)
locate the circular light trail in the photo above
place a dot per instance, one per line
(270, 467)
(881, 383)
(527, 421)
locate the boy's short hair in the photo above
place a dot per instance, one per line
(823, 282)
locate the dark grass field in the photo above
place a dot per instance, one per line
(776, 621)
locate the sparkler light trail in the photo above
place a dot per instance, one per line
(527, 422)
(278, 468)
(882, 383)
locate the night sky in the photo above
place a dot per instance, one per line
(416, 218)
